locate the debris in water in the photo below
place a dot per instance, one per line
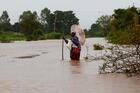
(29, 56)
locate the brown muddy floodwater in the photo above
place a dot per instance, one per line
(36, 67)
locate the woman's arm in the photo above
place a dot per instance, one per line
(66, 41)
(75, 40)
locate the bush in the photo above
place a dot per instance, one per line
(6, 37)
(98, 47)
(53, 35)
(120, 37)
(123, 58)
(38, 35)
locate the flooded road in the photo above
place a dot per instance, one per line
(36, 67)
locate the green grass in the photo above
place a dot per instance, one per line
(53, 35)
(6, 37)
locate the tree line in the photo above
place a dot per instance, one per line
(117, 27)
(124, 31)
(122, 27)
(35, 26)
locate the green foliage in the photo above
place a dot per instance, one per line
(6, 37)
(58, 21)
(53, 35)
(119, 27)
(5, 22)
(123, 19)
(104, 23)
(29, 24)
(38, 34)
(46, 19)
(120, 37)
(34, 27)
(94, 30)
(101, 28)
(125, 27)
(16, 27)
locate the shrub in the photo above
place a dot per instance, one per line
(38, 35)
(120, 37)
(6, 37)
(53, 35)
(98, 47)
(123, 58)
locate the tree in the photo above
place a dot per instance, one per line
(16, 27)
(101, 28)
(29, 23)
(5, 22)
(123, 26)
(63, 20)
(69, 20)
(124, 58)
(58, 21)
(123, 19)
(95, 31)
(104, 22)
(45, 18)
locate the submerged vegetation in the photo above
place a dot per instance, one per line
(125, 34)
(122, 29)
(98, 47)
(122, 59)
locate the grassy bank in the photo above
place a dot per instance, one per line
(6, 37)
(53, 35)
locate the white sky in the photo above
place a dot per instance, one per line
(86, 10)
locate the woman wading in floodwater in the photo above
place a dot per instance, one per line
(75, 47)
(74, 44)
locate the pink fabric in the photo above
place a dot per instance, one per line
(79, 33)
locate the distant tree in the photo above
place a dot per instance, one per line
(16, 27)
(123, 26)
(5, 22)
(29, 23)
(45, 18)
(95, 30)
(101, 27)
(104, 23)
(58, 21)
(123, 19)
(63, 20)
(69, 20)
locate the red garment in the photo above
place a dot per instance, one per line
(75, 53)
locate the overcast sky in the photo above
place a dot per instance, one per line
(86, 10)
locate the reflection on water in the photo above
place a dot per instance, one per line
(76, 67)
(28, 56)
(75, 63)
(47, 74)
